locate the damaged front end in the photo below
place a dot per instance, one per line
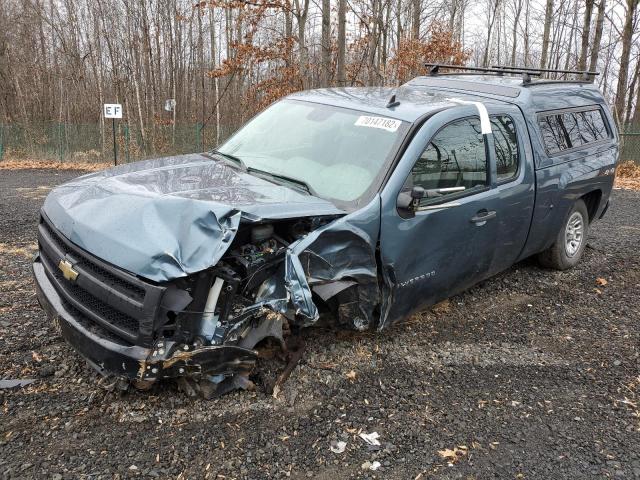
(211, 323)
(174, 286)
(276, 277)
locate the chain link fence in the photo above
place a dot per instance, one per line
(65, 142)
(630, 144)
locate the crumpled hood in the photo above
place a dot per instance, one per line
(169, 217)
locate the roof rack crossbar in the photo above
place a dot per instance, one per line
(587, 75)
(434, 69)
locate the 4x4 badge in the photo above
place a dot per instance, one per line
(67, 270)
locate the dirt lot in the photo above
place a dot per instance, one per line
(533, 374)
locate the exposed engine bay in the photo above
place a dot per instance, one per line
(214, 320)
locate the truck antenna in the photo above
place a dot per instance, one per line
(393, 102)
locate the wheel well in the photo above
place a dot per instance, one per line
(592, 201)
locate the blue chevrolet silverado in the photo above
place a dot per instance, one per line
(354, 207)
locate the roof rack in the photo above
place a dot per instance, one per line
(434, 69)
(587, 76)
(525, 72)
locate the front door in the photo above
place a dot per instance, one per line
(448, 242)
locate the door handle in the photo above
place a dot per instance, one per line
(482, 217)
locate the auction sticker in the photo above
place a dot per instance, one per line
(388, 124)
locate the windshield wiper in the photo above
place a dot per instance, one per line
(285, 178)
(238, 161)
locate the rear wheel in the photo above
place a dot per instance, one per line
(570, 241)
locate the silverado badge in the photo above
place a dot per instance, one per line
(67, 270)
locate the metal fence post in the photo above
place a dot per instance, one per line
(60, 142)
(126, 142)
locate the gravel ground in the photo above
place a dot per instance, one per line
(532, 374)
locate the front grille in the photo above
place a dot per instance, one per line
(113, 301)
(110, 314)
(123, 286)
(91, 326)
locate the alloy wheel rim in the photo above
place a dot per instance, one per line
(574, 234)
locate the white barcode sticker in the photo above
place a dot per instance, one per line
(388, 124)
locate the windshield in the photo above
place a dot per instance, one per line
(338, 153)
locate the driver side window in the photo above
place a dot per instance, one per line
(454, 159)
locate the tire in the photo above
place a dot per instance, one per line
(570, 241)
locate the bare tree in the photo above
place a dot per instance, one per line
(493, 11)
(597, 38)
(586, 31)
(326, 42)
(548, 17)
(222, 61)
(514, 32)
(342, 21)
(623, 75)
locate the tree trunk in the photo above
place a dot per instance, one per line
(301, 15)
(326, 43)
(514, 34)
(548, 16)
(342, 21)
(586, 31)
(632, 89)
(597, 38)
(492, 19)
(635, 120)
(288, 30)
(415, 26)
(623, 74)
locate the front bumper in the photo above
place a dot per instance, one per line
(109, 356)
(103, 354)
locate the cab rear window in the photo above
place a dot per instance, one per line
(572, 129)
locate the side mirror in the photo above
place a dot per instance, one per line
(409, 200)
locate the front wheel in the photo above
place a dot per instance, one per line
(571, 240)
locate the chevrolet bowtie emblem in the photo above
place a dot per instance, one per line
(67, 270)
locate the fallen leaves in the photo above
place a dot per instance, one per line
(27, 251)
(442, 308)
(601, 281)
(628, 176)
(36, 164)
(453, 455)
(351, 375)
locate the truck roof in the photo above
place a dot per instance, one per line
(429, 93)
(414, 101)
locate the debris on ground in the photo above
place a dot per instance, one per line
(371, 465)
(370, 438)
(338, 446)
(452, 455)
(16, 383)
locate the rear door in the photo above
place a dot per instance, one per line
(514, 184)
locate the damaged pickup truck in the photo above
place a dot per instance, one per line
(356, 206)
